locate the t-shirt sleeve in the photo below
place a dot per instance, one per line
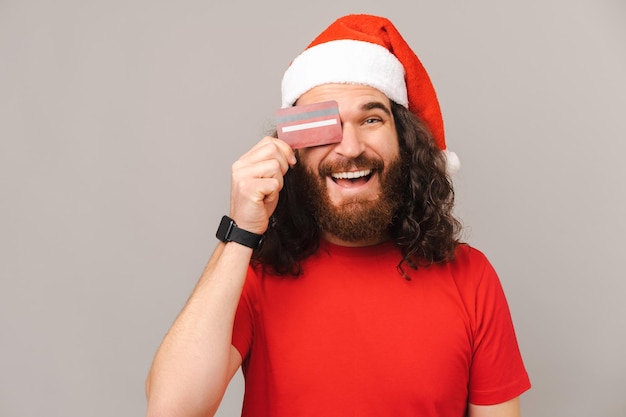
(497, 372)
(244, 317)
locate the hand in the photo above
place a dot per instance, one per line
(257, 178)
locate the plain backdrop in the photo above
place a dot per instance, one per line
(119, 121)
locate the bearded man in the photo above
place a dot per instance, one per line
(340, 285)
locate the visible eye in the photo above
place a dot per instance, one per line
(371, 120)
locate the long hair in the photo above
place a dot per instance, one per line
(424, 227)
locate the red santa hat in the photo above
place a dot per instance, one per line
(368, 50)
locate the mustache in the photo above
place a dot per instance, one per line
(346, 164)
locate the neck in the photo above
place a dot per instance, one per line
(354, 243)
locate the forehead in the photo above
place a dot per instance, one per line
(345, 94)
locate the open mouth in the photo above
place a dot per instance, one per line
(352, 177)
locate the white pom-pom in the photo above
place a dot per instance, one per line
(453, 163)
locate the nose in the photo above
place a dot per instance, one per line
(350, 146)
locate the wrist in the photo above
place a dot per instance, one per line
(228, 231)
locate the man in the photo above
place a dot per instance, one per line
(360, 300)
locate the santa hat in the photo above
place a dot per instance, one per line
(368, 50)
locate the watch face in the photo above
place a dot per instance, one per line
(229, 232)
(223, 231)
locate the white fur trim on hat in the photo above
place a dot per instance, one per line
(453, 163)
(345, 61)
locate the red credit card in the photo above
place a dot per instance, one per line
(309, 125)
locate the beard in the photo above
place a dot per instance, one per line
(359, 218)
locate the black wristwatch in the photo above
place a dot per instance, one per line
(229, 232)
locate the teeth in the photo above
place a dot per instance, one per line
(351, 175)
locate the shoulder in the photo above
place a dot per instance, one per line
(469, 259)
(471, 269)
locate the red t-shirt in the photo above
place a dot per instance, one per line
(352, 337)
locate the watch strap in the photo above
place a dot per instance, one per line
(228, 231)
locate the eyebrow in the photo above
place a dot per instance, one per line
(376, 105)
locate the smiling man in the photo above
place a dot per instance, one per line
(353, 188)
(340, 285)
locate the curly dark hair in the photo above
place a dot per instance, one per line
(424, 227)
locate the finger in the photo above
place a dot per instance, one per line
(287, 151)
(247, 180)
(253, 202)
(270, 147)
(270, 168)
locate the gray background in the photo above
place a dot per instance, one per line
(119, 122)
